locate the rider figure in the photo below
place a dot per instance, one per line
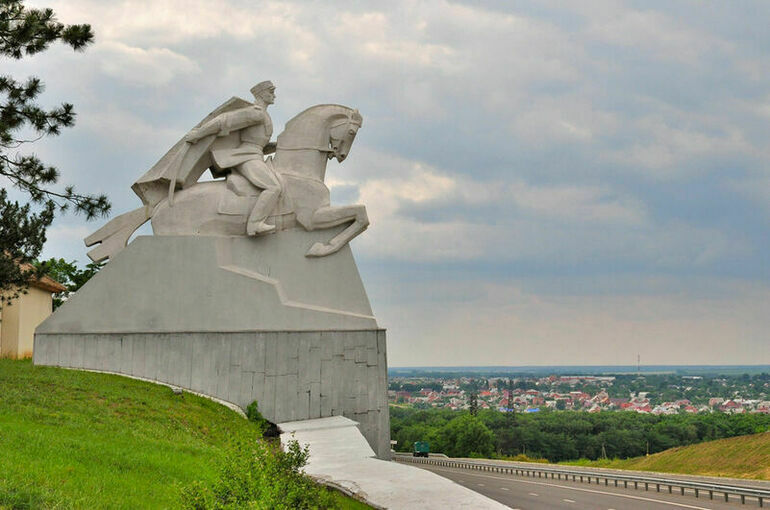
(254, 128)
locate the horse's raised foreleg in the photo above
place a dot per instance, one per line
(327, 217)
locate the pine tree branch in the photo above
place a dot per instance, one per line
(90, 205)
(18, 143)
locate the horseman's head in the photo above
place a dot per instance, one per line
(342, 133)
(264, 91)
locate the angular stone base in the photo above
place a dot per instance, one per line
(196, 283)
(239, 319)
(292, 375)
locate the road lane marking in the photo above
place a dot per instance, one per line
(568, 500)
(480, 484)
(532, 494)
(505, 488)
(619, 495)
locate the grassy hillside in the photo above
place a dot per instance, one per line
(71, 439)
(736, 457)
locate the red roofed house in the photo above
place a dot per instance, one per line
(730, 407)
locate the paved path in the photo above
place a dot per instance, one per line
(533, 494)
(341, 457)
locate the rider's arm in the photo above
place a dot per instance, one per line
(223, 124)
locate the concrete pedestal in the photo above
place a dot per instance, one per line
(239, 319)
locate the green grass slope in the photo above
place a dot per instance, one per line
(736, 457)
(73, 439)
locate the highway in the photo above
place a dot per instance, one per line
(540, 494)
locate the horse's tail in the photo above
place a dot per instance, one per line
(114, 236)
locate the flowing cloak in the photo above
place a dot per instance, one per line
(184, 163)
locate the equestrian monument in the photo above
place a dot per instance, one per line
(248, 290)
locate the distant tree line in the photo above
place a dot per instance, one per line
(415, 387)
(563, 435)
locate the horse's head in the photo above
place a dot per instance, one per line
(315, 136)
(342, 132)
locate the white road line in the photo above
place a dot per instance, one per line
(619, 495)
(568, 500)
(532, 494)
(505, 488)
(480, 484)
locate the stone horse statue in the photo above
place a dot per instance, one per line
(177, 204)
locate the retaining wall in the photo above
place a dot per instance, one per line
(292, 375)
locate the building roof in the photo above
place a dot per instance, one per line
(49, 284)
(45, 282)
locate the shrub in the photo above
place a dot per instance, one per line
(253, 414)
(258, 474)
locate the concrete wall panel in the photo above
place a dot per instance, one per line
(267, 404)
(151, 358)
(78, 351)
(258, 390)
(65, 353)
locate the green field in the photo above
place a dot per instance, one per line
(736, 457)
(73, 439)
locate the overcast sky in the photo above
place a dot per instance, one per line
(547, 183)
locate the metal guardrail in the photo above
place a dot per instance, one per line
(683, 486)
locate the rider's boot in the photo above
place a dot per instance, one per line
(266, 202)
(259, 228)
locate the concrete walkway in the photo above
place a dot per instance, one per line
(341, 457)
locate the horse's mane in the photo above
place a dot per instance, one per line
(304, 128)
(312, 109)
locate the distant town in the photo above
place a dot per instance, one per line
(641, 393)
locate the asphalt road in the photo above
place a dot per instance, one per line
(525, 493)
(759, 484)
